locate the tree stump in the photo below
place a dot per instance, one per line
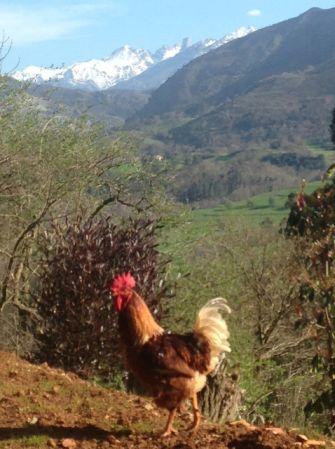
(220, 400)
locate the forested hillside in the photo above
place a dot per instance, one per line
(240, 115)
(109, 106)
(245, 118)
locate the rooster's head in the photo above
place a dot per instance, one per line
(122, 290)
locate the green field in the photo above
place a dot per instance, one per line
(269, 205)
(195, 225)
(328, 154)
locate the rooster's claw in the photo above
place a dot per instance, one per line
(169, 432)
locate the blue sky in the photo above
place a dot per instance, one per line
(65, 31)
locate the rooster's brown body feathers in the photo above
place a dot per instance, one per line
(171, 366)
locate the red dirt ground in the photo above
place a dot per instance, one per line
(41, 407)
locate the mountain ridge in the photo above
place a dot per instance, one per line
(125, 63)
(268, 93)
(229, 63)
(157, 74)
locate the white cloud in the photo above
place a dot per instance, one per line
(254, 12)
(38, 23)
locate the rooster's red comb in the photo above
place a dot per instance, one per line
(122, 282)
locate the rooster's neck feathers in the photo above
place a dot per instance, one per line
(137, 325)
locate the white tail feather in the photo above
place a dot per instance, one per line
(211, 324)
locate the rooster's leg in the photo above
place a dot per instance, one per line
(196, 414)
(169, 428)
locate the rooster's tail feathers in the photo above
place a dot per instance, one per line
(211, 324)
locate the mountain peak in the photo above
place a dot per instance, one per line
(186, 42)
(312, 12)
(128, 50)
(123, 64)
(314, 9)
(240, 32)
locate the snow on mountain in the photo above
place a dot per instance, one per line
(39, 74)
(96, 74)
(123, 64)
(158, 73)
(237, 34)
(167, 52)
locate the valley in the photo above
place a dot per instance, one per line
(230, 118)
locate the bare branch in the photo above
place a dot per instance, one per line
(24, 233)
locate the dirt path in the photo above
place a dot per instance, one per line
(41, 407)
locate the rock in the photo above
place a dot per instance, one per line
(276, 430)
(240, 422)
(68, 443)
(149, 407)
(33, 420)
(244, 423)
(111, 439)
(51, 443)
(302, 438)
(315, 443)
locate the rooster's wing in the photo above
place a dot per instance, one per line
(174, 355)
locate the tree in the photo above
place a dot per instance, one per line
(312, 217)
(54, 169)
(250, 266)
(250, 204)
(275, 354)
(271, 201)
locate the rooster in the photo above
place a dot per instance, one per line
(171, 366)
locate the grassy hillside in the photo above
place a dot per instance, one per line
(256, 210)
(46, 408)
(266, 209)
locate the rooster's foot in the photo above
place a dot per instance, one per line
(196, 422)
(169, 432)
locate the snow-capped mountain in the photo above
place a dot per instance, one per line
(237, 34)
(167, 52)
(96, 74)
(158, 73)
(124, 64)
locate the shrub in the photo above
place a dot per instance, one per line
(79, 323)
(312, 217)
